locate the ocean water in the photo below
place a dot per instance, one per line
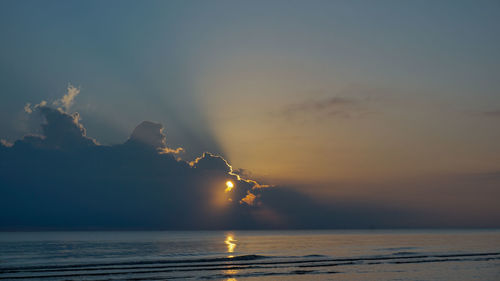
(252, 255)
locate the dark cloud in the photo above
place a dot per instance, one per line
(63, 179)
(61, 131)
(148, 133)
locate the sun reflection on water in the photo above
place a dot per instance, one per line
(230, 243)
(230, 272)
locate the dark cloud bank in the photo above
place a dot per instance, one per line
(63, 179)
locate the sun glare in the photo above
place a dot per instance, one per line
(229, 185)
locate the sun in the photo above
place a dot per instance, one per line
(229, 185)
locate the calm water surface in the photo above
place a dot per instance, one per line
(252, 255)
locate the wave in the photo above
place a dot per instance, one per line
(246, 264)
(404, 253)
(173, 261)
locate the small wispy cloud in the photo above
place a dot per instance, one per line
(6, 143)
(167, 150)
(63, 104)
(321, 104)
(68, 99)
(351, 101)
(491, 113)
(28, 108)
(337, 106)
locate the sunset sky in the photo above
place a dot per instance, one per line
(384, 103)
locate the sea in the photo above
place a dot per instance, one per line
(252, 255)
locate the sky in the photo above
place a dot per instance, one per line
(362, 107)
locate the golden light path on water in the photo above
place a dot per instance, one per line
(231, 245)
(231, 272)
(230, 242)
